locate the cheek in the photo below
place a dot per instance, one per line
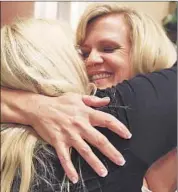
(120, 66)
(115, 61)
(122, 73)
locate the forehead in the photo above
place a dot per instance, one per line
(112, 26)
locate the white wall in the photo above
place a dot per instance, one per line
(71, 11)
(158, 10)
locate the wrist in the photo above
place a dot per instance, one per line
(16, 106)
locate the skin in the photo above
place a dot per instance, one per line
(162, 175)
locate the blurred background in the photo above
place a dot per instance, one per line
(163, 12)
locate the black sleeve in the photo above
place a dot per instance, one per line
(147, 105)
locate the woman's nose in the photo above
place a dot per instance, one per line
(94, 58)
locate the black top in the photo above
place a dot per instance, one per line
(146, 104)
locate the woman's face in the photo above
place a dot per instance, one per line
(106, 51)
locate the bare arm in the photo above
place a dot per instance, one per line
(14, 105)
(162, 175)
(66, 122)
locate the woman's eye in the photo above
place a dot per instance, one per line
(82, 53)
(85, 55)
(109, 49)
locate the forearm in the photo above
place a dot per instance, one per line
(14, 105)
(65, 122)
(162, 175)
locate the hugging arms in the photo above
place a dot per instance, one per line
(154, 132)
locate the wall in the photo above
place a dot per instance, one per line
(9, 10)
(158, 10)
(24, 9)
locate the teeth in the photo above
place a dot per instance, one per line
(100, 76)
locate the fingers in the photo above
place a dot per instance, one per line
(98, 140)
(103, 145)
(85, 151)
(101, 119)
(94, 101)
(65, 160)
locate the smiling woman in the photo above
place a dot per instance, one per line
(118, 41)
(106, 50)
(135, 43)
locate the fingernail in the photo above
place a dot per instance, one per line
(121, 161)
(103, 172)
(106, 98)
(74, 180)
(128, 135)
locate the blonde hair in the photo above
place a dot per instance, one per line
(37, 56)
(150, 47)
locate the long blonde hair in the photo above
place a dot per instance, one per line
(37, 56)
(151, 49)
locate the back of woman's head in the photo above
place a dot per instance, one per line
(150, 47)
(38, 56)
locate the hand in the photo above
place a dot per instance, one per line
(66, 122)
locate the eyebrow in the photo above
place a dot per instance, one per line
(102, 42)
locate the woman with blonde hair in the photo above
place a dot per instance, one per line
(47, 63)
(42, 63)
(57, 137)
(146, 37)
(125, 42)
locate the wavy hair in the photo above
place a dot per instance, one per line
(39, 56)
(151, 49)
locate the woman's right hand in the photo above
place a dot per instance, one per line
(67, 121)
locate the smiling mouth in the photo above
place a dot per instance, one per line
(100, 76)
